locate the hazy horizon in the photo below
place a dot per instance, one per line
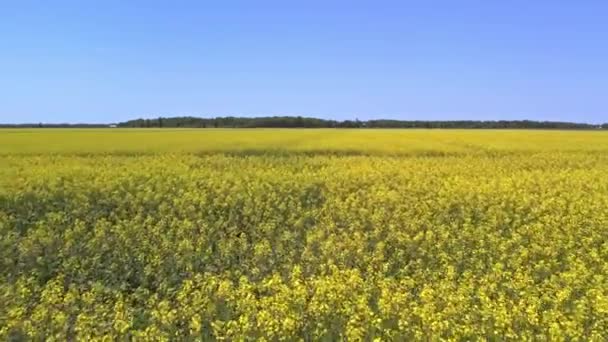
(260, 116)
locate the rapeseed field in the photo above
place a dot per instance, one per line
(303, 235)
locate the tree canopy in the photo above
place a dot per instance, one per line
(307, 122)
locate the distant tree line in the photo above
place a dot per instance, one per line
(514, 124)
(306, 122)
(232, 122)
(53, 125)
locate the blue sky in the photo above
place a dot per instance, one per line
(106, 61)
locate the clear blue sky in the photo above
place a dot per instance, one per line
(106, 61)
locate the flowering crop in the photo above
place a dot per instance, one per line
(303, 235)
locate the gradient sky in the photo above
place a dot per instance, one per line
(107, 61)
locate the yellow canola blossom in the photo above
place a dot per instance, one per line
(303, 235)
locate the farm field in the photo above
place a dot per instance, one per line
(295, 234)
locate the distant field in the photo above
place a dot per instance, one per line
(363, 141)
(294, 234)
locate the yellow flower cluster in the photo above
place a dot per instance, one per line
(306, 241)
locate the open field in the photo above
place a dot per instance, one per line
(303, 234)
(338, 141)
